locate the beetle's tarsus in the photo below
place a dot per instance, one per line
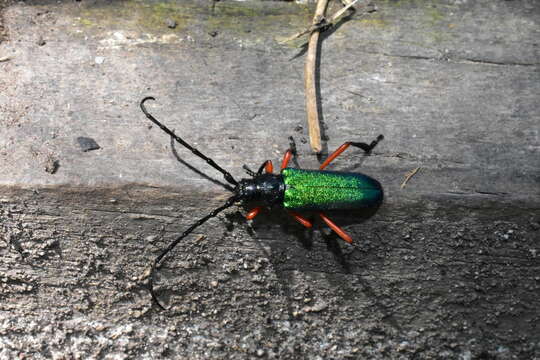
(292, 145)
(367, 148)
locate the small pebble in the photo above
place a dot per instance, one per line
(150, 238)
(171, 24)
(99, 60)
(51, 165)
(87, 144)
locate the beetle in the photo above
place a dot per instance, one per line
(293, 189)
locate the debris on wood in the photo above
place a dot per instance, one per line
(51, 164)
(315, 308)
(408, 176)
(145, 274)
(200, 238)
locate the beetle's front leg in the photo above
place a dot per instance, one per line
(268, 168)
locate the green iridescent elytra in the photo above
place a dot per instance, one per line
(329, 190)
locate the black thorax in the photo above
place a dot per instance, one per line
(268, 188)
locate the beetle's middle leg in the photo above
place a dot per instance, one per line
(289, 154)
(302, 220)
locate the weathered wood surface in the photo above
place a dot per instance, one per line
(447, 268)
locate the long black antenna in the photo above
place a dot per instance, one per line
(210, 162)
(230, 202)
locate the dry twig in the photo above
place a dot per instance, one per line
(310, 81)
(408, 176)
(318, 24)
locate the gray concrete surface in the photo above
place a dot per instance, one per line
(447, 268)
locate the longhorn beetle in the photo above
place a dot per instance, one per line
(293, 189)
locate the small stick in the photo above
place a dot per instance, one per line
(408, 176)
(4, 58)
(200, 238)
(310, 81)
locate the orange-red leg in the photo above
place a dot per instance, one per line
(286, 158)
(268, 167)
(253, 212)
(289, 153)
(302, 220)
(366, 147)
(342, 234)
(334, 155)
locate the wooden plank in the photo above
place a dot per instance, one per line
(448, 266)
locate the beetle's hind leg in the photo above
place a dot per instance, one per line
(366, 147)
(289, 154)
(341, 233)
